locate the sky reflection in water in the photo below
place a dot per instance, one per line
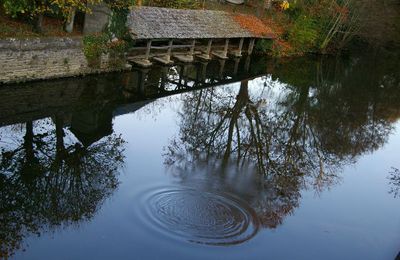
(297, 163)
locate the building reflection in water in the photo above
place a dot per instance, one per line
(51, 178)
(243, 155)
(59, 157)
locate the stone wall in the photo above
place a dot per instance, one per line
(45, 58)
(97, 20)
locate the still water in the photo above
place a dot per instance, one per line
(245, 159)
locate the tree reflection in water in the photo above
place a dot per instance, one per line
(48, 180)
(394, 182)
(263, 140)
(295, 130)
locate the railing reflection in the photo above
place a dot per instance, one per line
(265, 137)
(59, 157)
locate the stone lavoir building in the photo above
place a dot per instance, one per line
(160, 34)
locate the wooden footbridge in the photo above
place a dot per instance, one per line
(163, 35)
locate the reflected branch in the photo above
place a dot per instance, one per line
(46, 183)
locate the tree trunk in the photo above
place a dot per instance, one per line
(38, 23)
(69, 24)
(59, 136)
(28, 141)
(242, 99)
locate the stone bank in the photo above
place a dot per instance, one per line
(46, 58)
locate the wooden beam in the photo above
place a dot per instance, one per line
(236, 68)
(206, 55)
(240, 46)
(225, 53)
(184, 74)
(169, 50)
(208, 50)
(251, 46)
(141, 80)
(247, 64)
(161, 47)
(221, 68)
(143, 61)
(222, 54)
(203, 74)
(148, 49)
(164, 77)
(238, 53)
(187, 58)
(192, 47)
(165, 59)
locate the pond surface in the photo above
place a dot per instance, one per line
(245, 159)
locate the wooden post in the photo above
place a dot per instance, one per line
(69, 25)
(134, 86)
(208, 50)
(247, 64)
(185, 80)
(168, 57)
(192, 48)
(145, 61)
(187, 58)
(164, 76)
(142, 81)
(239, 54)
(203, 76)
(207, 54)
(221, 68)
(222, 54)
(182, 70)
(251, 46)
(236, 68)
(225, 52)
(148, 49)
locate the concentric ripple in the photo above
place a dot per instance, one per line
(201, 217)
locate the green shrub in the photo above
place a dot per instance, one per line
(264, 46)
(295, 10)
(303, 34)
(119, 4)
(117, 46)
(117, 30)
(94, 46)
(17, 7)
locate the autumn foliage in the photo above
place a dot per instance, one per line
(251, 23)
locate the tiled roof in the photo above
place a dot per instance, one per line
(165, 23)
